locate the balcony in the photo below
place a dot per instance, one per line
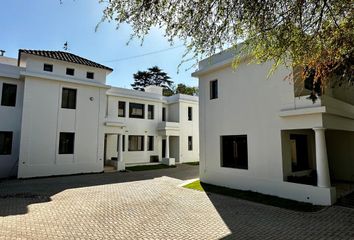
(168, 128)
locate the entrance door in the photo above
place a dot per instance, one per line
(163, 148)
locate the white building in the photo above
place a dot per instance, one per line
(263, 134)
(55, 119)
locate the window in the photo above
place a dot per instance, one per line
(136, 110)
(164, 114)
(150, 111)
(190, 113)
(5, 143)
(121, 109)
(190, 143)
(90, 75)
(68, 98)
(136, 143)
(8, 97)
(234, 151)
(150, 144)
(48, 67)
(70, 71)
(123, 147)
(214, 89)
(66, 143)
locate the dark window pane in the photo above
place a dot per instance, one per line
(8, 97)
(150, 143)
(121, 109)
(66, 143)
(123, 147)
(150, 111)
(90, 75)
(190, 113)
(70, 71)
(214, 89)
(163, 114)
(190, 143)
(5, 143)
(48, 67)
(136, 110)
(136, 143)
(234, 151)
(68, 98)
(299, 152)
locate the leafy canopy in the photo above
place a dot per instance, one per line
(317, 34)
(153, 76)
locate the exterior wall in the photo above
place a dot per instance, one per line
(250, 103)
(188, 128)
(176, 112)
(11, 121)
(42, 121)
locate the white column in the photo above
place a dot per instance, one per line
(167, 153)
(120, 148)
(120, 163)
(323, 179)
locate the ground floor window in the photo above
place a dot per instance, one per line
(136, 143)
(5, 143)
(234, 151)
(150, 143)
(66, 143)
(190, 143)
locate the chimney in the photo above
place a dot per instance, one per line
(154, 89)
(2, 53)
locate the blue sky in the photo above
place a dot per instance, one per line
(47, 25)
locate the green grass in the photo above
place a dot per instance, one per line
(148, 167)
(255, 197)
(192, 163)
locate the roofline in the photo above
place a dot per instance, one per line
(20, 51)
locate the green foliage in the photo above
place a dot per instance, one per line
(184, 89)
(314, 33)
(153, 76)
(255, 197)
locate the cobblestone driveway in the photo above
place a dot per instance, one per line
(151, 205)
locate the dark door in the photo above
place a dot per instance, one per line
(302, 155)
(163, 148)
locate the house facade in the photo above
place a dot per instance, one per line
(58, 116)
(269, 137)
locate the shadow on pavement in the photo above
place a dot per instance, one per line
(16, 195)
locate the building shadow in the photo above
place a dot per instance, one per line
(17, 194)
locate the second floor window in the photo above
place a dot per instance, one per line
(190, 114)
(70, 71)
(68, 99)
(48, 67)
(136, 110)
(150, 111)
(8, 96)
(164, 114)
(214, 89)
(90, 75)
(121, 109)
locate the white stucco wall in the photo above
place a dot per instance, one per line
(43, 120)
(10, 120)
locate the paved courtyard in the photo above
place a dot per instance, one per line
(151, 205)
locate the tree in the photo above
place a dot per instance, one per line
(184, 89)
(316, 34)
(153, 76)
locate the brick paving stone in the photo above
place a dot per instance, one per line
(151, 205)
